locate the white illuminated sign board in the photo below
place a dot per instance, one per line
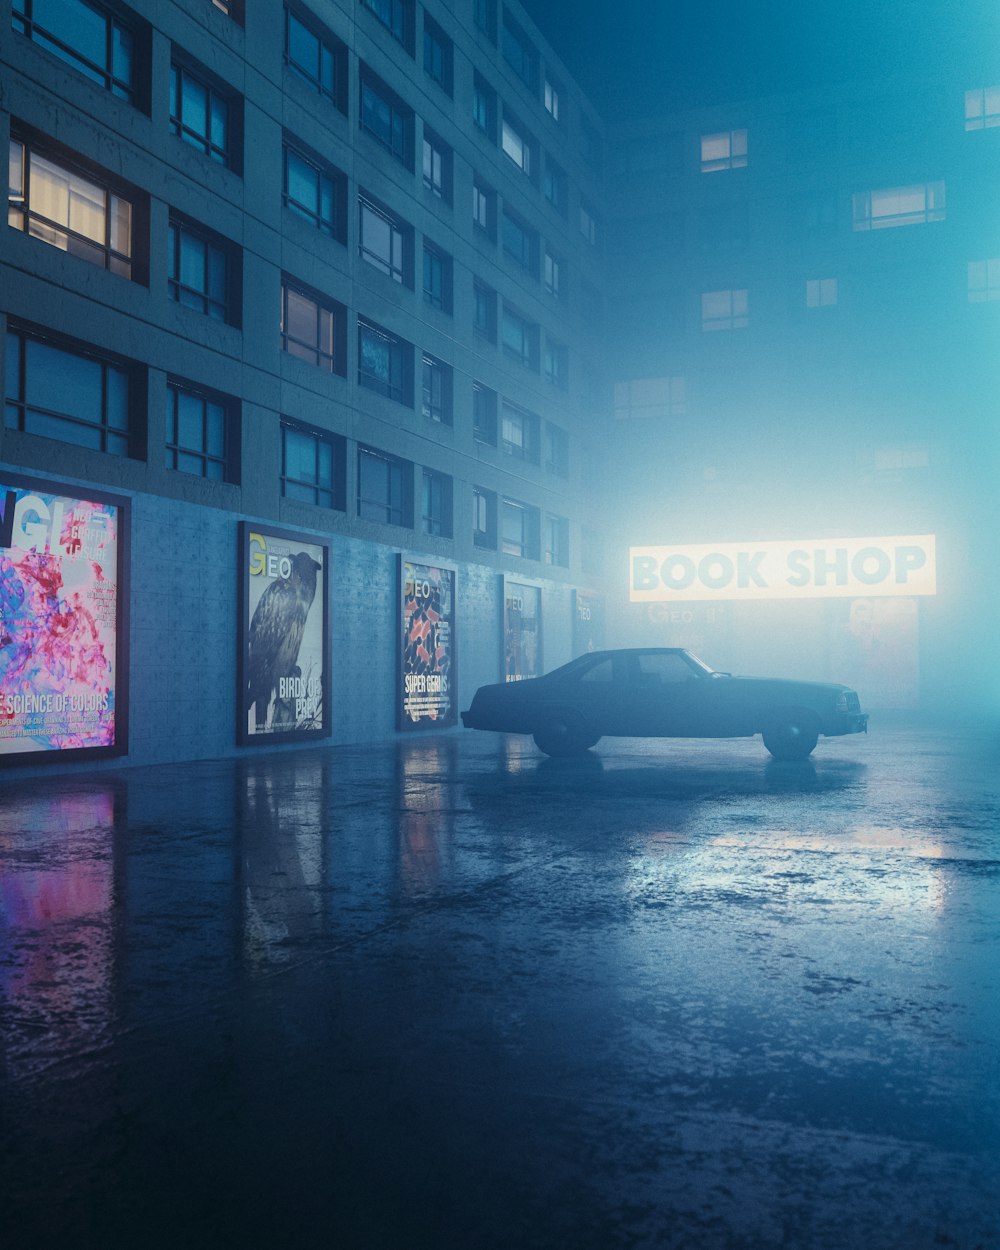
(808, 568)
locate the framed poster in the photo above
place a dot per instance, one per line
(426, 671)
(588, 622)
(63, 621)
(522, 630)
(284, 669)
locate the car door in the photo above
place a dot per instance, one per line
(598, 694)
(666, 696)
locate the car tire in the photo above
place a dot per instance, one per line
(792, 735)
(563, 734)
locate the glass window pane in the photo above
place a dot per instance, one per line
(190, 420)
(12, 367)
(300, 320)
(192, 266)
(117, 398)
(63, 382)
(66, 431)
(194, 105)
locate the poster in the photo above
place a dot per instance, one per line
(522, 625)
(62, 621)
(284, 678)
(427, 683)
(588, 622)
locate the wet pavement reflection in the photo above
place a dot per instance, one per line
(450, 993)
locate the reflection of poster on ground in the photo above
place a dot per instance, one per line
(61, 558)
(427, 655)
(588, 622)
(284, 682)
(874, 647)
(522, 631)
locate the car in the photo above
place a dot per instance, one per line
(664, 692)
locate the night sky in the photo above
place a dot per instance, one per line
(635, 56)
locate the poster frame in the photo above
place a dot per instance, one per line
(403, 723)
(85, 494)
(243, 736)
(506, 581)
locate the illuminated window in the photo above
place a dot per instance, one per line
(313, 465)
(88, 37)
(67, 393)
(317, 58)
(385, 363)
(69, 210)
(984, 280)
(437, 166)
(312, 327)
(436, 390)
(555, 541)
(202, 114)
(551, 98)
(518, 146)
(385, 241)
(899, 206)
(982, 108)
(199, 432)
(484, 414)
(724, 310)
(484, 518)
(650, 397)
(199, 271)
(821, 292)
(725, 150)
(519, 433)
(436, 492)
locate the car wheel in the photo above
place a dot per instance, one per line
(792, 736)
(563, 734)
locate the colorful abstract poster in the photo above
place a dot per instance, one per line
(522, 631)
(285, 648)
(588, 622)
(427, 684)
(60, 621)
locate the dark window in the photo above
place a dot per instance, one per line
(520, 243)
(484, 107)
(201, 114)
(201, 272)
(484, 414)
(556, 450)
(313, 465)
(437, 165)
(387, 119)
(231, 8)
(312, 328)
(385, 241)
(437, 278)
(438, 54)
(484, 518)
(484, 311)
(87, 36)
(519, 53)
(555, 547)
(484, 208)
(553, 274)
(66, 393)
(314, 191)
(317, 58)
(385, 363)
(396, 16)
(199, 432)
(556, 363)
(385, 488)
(436, 503)
(519, 529)
(436, 390)
(484, 13)
(69, 209)
(520, 339)
(555, 186)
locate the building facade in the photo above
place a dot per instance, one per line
(311, 285)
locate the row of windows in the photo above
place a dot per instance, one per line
(207, 114)
(92, 401)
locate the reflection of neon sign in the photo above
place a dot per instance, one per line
(810, 568)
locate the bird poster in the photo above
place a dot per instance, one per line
(427, 653)
(284, 679)
(522, 638)
(61, 619)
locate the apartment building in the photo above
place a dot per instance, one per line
(303, 315)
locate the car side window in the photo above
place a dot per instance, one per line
(603, 672)
(661, 669)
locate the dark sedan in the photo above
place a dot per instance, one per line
(664, 692)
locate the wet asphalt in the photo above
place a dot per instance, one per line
(446, 993)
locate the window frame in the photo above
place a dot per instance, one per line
(336, 491)
(334, 227)
(314, 353)
(398, 268)
(395, 507)
(734, 155)
(225, 461)
(528, 425)
(326, 43)
(933, 196)
(104, 76)
(436, 503)
(398, 385)
(222, 151)
(201, 299)
(435, 255)
(397, 138)
(436, 385)
(484, 414)
(736, 318)
(435, 38)
(484, 507)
